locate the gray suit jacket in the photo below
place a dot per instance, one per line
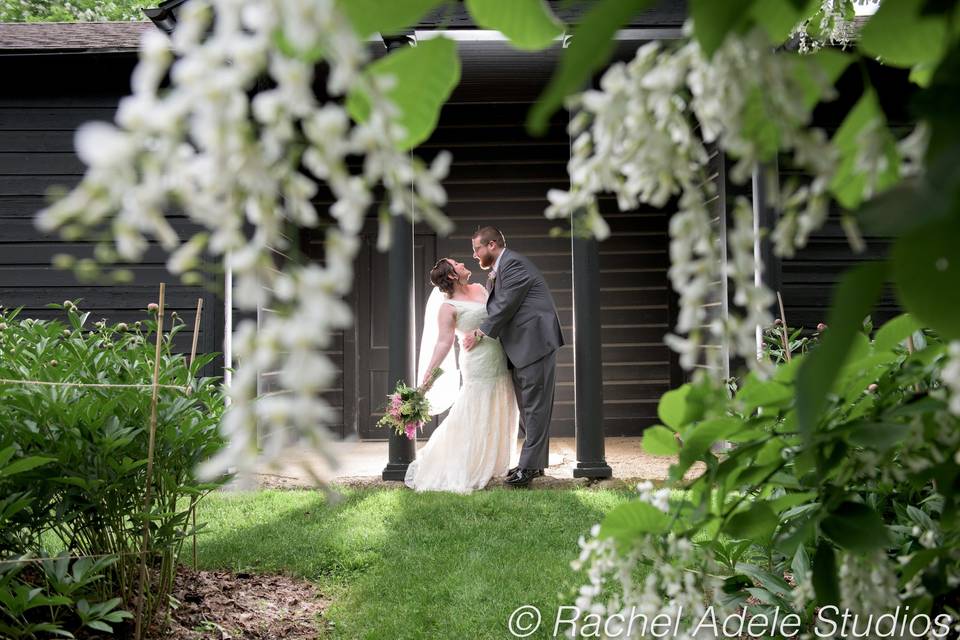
(521, 311)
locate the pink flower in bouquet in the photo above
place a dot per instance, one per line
(411, 430)
(395, 403)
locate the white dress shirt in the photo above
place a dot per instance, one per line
(496, 264)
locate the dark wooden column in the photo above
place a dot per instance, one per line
(401, 336)
(587, 360)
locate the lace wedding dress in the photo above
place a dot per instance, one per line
(478, 438)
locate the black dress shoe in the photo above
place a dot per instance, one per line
(538, 473)
(523, 477)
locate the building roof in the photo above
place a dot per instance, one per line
(72, 36)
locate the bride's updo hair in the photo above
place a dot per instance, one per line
(440, 275)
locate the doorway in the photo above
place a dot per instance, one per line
(372, 324)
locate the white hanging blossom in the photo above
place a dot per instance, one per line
(659, 498)
(246, 166)
(912, 150)
(833, 27)
(679, 582)
(643, 136)
(868, 585)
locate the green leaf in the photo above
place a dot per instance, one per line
(936, 105)
(903, 208)
(779, 17)
(853, 298)
(848, 182)
(756, 523)
(773, 583)
(759, 126)
(800, 564)
(922, 74)
(791, 500)
(713, 20)
(901, 37)
(672, 408)
(424, 76)
(786, 373)
(762, 393)
(818, 72)
(877, 435)
(825, 584)
(795, 531)
(24, 464)
(530, 24)
(920, 560)
(856, 527)
(926, 265)
(895, 331)
(628, 521)
(100, 626)
(591, 46)
(700, 437)
(373, 16)
(660, 441)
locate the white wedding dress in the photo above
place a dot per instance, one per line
(478, 438)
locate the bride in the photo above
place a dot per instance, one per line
(478, 438)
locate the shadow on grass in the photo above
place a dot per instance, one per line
(404, 565)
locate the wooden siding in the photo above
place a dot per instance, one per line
(500, 176)
(39, 112)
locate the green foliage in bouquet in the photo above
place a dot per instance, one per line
(73, 468)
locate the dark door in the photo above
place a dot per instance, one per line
(373, 323)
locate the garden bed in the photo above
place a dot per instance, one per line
(224, 605)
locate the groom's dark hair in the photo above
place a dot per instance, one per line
(490, 234)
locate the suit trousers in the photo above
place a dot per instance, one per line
(534, 385)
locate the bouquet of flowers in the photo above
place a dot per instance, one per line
(408, 408)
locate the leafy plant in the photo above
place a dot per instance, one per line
(73, 463)
(73, 10)
(875, 477)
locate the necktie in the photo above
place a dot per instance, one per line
(490, 278)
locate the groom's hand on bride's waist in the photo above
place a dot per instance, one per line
(472, 339)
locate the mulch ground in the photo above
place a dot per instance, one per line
(223, 605)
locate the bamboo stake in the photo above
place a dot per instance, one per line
(783, 329)
(196, 332)
(193, 354)
(150, 450)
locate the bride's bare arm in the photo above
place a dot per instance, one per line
(446, 324)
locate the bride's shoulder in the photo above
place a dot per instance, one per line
(477, 288)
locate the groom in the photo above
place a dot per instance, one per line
(521, 313)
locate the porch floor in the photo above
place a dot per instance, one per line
(361, 463)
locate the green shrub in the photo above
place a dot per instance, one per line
(857, 508)
(74, 10)
(73, 463)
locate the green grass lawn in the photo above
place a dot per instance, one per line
(398, 564)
